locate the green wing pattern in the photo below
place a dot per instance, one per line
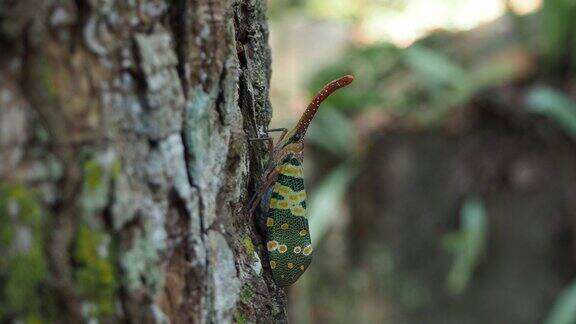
(288, 237)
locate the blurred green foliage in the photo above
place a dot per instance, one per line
(328, 198)
(422, 86)
(564, 310)
(436, 76)
(335, 126)
(556, 106)
(419, 83)
(558, 37)
(467, 244)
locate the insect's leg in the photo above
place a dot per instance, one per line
(270, 140)
(262, 216)
(253, 200)
(283, 130)
(262, 192)
(270, 143)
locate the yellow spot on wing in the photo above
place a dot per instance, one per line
(290, 265)
(273, 264)
(273, 203)
(285, 191)
(290, 170)
(270, 222)
(307, 250)
(302, 267)
(291, 200)
(298, 211)
(282, 248)
(297, 249)
(272, 245)
(285, 226)
(303, 232)
(282, 190)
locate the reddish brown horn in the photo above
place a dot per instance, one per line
(328, 89)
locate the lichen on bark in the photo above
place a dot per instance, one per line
(126, 165)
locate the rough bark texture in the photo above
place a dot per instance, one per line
(125, 164)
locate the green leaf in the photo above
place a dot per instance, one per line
(557, 29)
(564, 309)
(434, 66)
(468, 245)
(327, 199)
(556, 106)
(333, 132)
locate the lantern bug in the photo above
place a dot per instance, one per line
(283, 196)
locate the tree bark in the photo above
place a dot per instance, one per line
(125, 162)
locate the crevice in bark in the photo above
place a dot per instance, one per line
(82, 13)
(219, 103)
(178, 24)
(107, 216)
(192, 287)
(139, 78)
(125, 237)
(35, 79)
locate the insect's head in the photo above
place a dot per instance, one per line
(296, 135)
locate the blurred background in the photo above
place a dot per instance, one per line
(442, 182)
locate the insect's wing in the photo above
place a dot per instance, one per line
(288, 237)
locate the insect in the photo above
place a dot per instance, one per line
(283, 195)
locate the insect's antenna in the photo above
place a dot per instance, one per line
(318, 99)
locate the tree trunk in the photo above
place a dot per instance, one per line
(125, 162)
